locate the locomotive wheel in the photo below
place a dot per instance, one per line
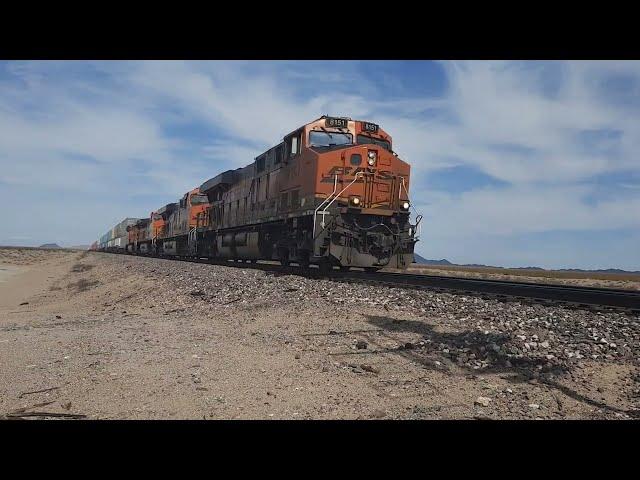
(284, 257)
(303, 259)
(324, 267)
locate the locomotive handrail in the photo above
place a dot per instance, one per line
(418, 216)
(338, 195)
(315, 212)
(192, 238)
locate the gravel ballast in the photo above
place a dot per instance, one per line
(153, 338)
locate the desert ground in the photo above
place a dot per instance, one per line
(103, 336)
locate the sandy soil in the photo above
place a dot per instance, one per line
(111, 336)
(7, 271)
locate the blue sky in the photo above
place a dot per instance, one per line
(513, 163)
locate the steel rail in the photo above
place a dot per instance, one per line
(607, 297)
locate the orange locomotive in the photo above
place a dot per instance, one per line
(139, 235)
(332, 193)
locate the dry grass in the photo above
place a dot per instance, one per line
(30, 255)
(12, 247)
(81, 267)
(83, 284)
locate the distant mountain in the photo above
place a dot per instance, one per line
(424, 261)
(606, 270)
(50, 245)
(444, 262)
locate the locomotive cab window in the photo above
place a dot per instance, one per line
(279, 152)
(329, 139)
(365, 139)
(293, 145)
(199, 199)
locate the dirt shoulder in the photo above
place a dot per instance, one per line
(23, 275)
(113, 336)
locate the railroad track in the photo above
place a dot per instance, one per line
(545, 293)
(565, 295)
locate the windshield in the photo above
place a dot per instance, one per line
(327, 139)
(199, 199)
(376, 141)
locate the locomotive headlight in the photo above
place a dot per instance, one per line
(355, 201)
(405, 205)
(371, 160)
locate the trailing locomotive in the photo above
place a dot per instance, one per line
(332, 193)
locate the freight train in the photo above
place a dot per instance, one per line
(332, 193)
